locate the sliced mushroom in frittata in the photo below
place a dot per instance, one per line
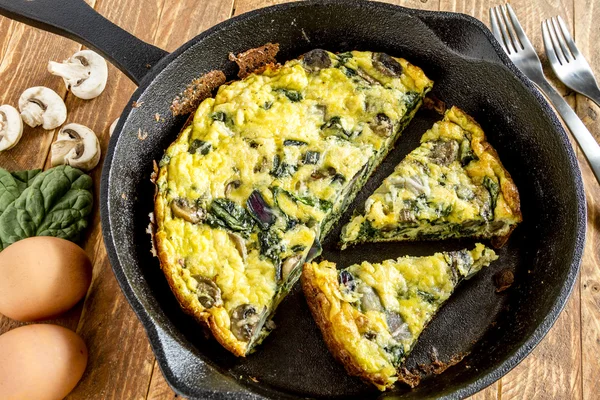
(263, 171)
(371, 315)
(453, 185)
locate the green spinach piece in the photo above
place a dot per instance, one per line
(290, 142)
(411, 99)
(324, 205)
(494, 190)
(298, 248)
(55, 203)
(311, 157)
(428, 297)
(282, 169)
(466, 153)
(229, 214)
(218, 116)
(199, 146)
(334, 127)
(344, 57)
(164, 160)
(396, 353)
(293, 95)
(270, 245)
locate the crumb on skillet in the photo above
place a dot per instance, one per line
(503, 280)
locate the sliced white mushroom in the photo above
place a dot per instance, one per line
(77, 146)
(42, 106)
(11, 127)
(112, 127)
(85, 73)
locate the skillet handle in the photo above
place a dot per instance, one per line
(76, 20)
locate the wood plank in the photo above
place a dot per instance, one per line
(198, 16)
(120, 359)
(6, 31)
(25, 52)
(586, 34)
(159, 388)
(557, 358)
(553, 370)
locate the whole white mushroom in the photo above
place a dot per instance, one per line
(11, 127)
(85, 73)
(42, 106)
(77, 146)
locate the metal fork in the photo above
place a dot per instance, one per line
(567, 62)
(510, 34)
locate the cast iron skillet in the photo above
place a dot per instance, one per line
(470, 70)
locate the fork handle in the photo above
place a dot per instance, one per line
(582, 135)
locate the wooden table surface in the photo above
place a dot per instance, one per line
(121, 365)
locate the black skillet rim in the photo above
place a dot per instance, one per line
(504, 367)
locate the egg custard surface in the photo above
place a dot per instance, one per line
(452, 186)
(371, 315)
(263, 171)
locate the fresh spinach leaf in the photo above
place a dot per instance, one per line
(56, 203)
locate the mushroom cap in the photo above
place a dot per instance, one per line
(42, 106)
(11, 127)
(76, 145)
(85, 73)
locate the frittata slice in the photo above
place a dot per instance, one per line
(371, 315)
(263, 171)
(452, 186)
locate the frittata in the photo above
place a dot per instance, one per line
(453, 185)
(371, 315)
(263, 171)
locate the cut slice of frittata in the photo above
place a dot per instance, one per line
(263, 171)
(452, 186)
(371, 315)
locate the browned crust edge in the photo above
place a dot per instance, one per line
(204, 318)
(508, 187)
(253, 60)
(319, 307)
(199, 89)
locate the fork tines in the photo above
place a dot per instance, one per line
(505, 25)
(558, 40)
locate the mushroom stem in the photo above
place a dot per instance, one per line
(72, 72)
(32, 114)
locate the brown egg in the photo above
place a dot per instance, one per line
(41, 277)
(40, 361)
